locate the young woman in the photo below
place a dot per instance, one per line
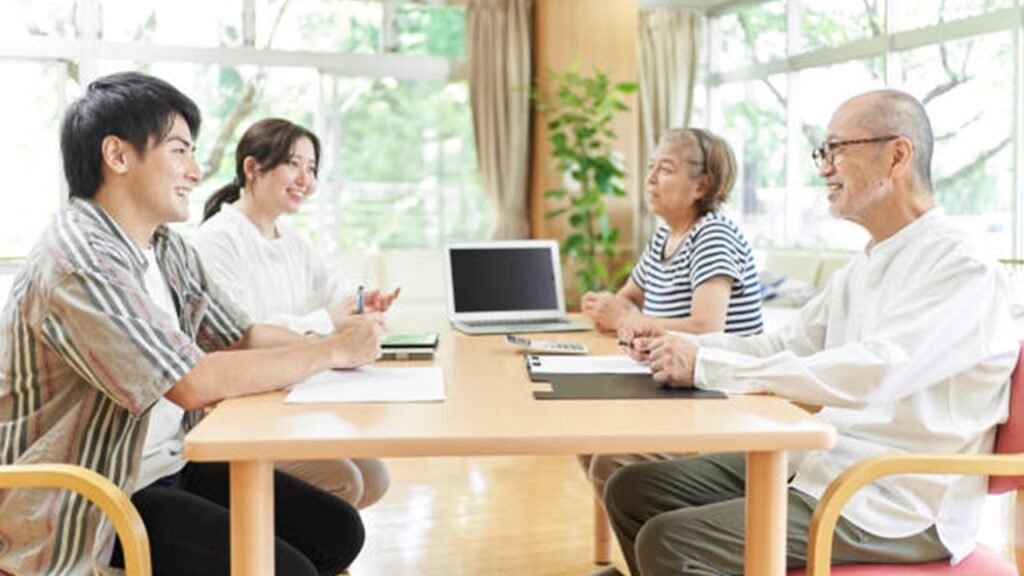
(696, 274)
(276, 276)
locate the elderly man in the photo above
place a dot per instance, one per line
(908, 349)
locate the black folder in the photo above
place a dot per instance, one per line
(614, 387)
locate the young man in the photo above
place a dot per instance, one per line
(113, 313)
(909, 349)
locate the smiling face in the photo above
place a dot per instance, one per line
(672, 189)
(856, 178)
(283, 188)
(162, 179)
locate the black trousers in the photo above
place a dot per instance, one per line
(187, 519)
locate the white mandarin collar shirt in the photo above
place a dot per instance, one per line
(909, 348)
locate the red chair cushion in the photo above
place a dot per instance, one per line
(1010, 437)
(980, 562)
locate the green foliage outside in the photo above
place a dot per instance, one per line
(399, 167)
(969, 181)
(580, 110)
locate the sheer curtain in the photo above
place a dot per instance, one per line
(667, 53)
(498, 37)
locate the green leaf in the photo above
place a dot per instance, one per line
(579, 110)
(622, 272)
(574, 243)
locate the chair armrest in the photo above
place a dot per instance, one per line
(98, 489)
(839, 492)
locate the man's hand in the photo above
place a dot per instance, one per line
(672, 359)
(356, 341)
(605, 310)
(637, 337)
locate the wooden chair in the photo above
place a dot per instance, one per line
(1005, 469)
(102, 492)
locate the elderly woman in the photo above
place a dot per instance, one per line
(697, 273)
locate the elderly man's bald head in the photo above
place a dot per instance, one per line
(884, 112)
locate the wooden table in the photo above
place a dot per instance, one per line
(490, 410)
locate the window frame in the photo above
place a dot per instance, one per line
(86, 50)
(887, 46)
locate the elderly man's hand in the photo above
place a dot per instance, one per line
(672, 359)
(637, 337)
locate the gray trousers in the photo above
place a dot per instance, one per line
(686, 516)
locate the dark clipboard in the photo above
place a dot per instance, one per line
(615, 387)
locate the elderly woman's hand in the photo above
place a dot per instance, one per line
(605, 310)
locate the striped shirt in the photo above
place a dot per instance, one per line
(715, 246)
(84, 354)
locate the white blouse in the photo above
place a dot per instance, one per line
(909, 348)
(279, 281)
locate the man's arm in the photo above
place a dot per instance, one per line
(268, 358)
(925, 337)
(268, 336)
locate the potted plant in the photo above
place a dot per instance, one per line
(579, 110)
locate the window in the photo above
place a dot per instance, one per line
(382, 83)
(29, 150)
(172, 23)
(959, 57)
(427, 162)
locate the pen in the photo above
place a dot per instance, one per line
(360, 300)
(625, 344)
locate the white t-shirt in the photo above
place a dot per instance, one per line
(280, 281)
(909, 348)
(162, 450)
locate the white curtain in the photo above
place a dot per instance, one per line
(667, 53)
(498, 38)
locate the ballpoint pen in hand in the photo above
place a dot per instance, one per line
(360, 300)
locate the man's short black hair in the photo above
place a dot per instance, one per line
(129, 105)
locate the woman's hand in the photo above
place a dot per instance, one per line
(605, 310)
(373, 301)
(377, 301)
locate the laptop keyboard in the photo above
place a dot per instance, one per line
(546, 321)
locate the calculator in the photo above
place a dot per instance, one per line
(547, 346)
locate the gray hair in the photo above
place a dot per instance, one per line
(713, 156)
(896, 112)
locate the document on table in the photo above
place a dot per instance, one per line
(613, 364)
(371, 384)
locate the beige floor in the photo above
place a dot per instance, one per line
(480, 517)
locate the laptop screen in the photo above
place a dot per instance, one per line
(505, 279)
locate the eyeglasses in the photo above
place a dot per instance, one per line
(826, 152)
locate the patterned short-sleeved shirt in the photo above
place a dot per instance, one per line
(84, 354)
(715, 246)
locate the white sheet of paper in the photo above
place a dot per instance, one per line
(614, 364)
(371, 384)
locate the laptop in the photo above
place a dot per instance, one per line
(500, 287)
